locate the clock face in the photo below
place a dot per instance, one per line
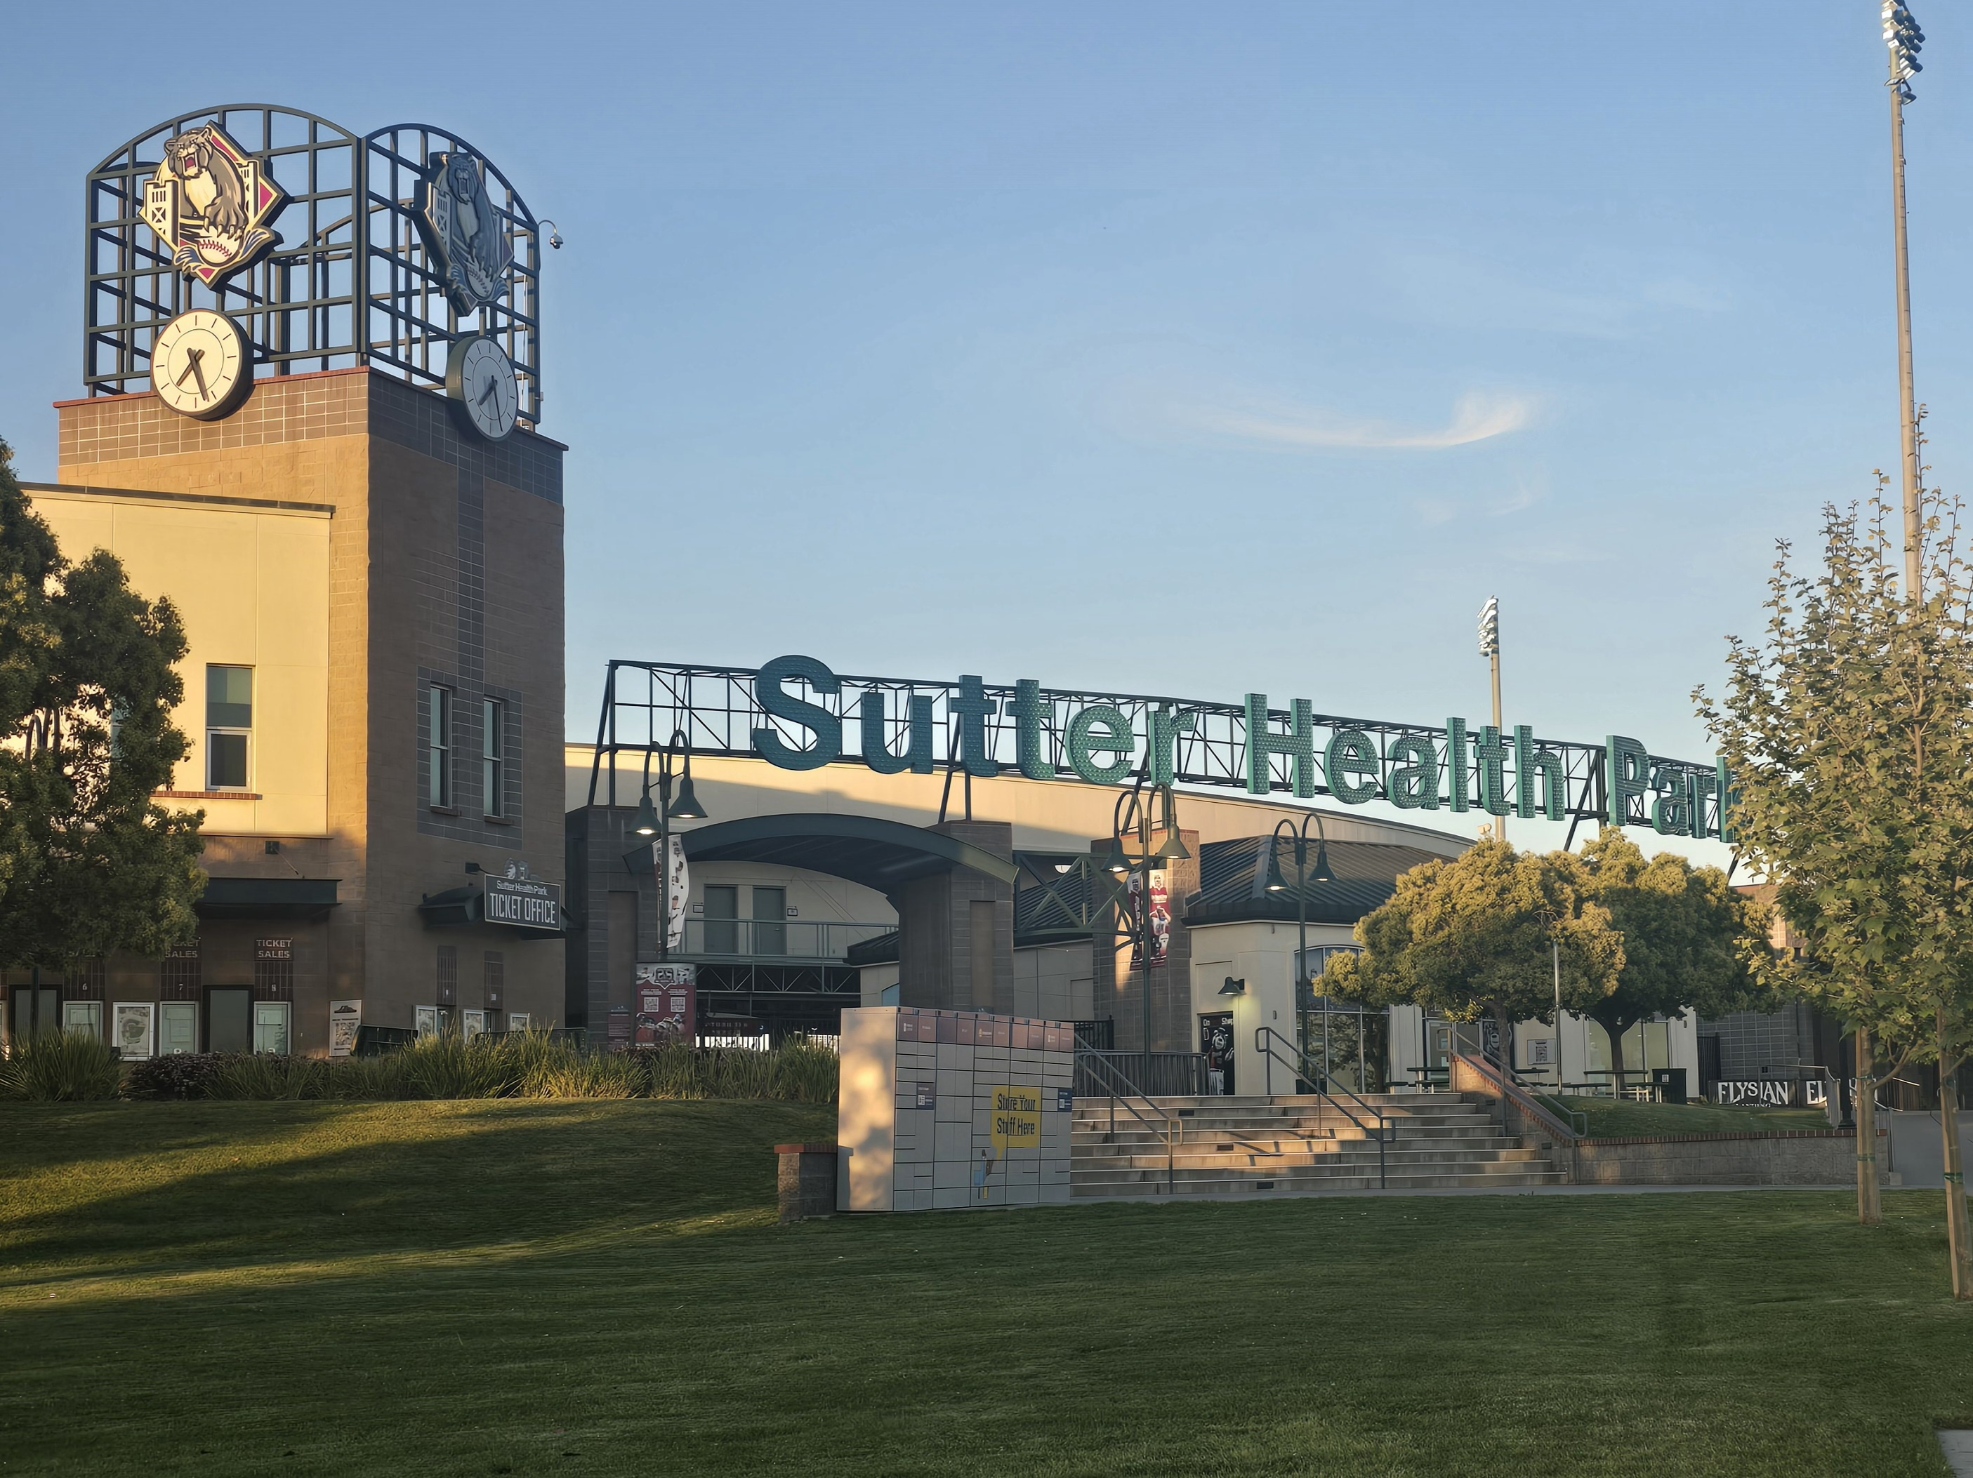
(200, 365)
(480, 379)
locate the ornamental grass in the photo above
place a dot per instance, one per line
(60, 1067)
(514, 1065)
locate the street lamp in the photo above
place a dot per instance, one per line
(1490, 647)
(655, 821)
(1132, 821)
(1903, 38)
(1275, 883)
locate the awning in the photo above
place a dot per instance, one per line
(879, 854)
(267, 898)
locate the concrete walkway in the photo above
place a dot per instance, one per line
(1250, 1197)
(1918, 1151)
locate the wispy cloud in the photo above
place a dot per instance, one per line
(1475, 417)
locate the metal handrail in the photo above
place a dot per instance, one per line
(1526, 1101)
(1174, 1127)
(1320, 1081)
(1561, 1110)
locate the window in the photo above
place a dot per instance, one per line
(448, 975)
(229, 724)
(493, 756)
(85, 1017)
(178, 1028)
(440, 746)
(270, 1027)
(494, 982)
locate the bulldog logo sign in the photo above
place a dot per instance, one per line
(464, 232)
(210, 204)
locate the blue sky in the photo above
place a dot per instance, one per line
(1185, 349)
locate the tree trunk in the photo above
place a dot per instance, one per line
(1956, 1229)
(1870, 1203)
(1616, 1036)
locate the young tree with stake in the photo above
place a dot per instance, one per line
(1849, 731)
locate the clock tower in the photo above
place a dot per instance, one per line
(311, 418)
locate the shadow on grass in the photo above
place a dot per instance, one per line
(265, 1183)
(1755, 1334)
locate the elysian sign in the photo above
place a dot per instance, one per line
(796, 713)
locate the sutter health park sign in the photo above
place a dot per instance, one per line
(796, 713)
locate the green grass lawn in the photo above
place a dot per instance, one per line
(1611, 1118)
(588, 1288)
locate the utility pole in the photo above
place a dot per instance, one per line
(1903, 38)
(1490, 647)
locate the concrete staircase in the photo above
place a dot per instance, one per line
(1246, 1146)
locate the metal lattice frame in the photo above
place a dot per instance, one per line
(718, 712)
(348, 284)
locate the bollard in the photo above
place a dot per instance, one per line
(807, 1181)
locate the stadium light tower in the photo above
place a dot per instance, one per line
(1902, 36)
(1490, 647)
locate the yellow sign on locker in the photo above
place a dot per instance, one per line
(1016, 1118)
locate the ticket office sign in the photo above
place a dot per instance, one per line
(523, 903)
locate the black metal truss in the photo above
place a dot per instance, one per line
(348, 284)
(644, 703)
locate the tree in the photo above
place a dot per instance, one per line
(89, 863)
(1682, 928)
(1849, 732)
(1479, 935)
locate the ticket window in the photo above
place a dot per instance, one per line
(229, 1019)
(85, 1017)
(471, 1024)
(270, 1027)
(433, 1021)
(178, 1028)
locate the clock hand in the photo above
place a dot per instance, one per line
(492, 388)
(192, 358)
(198, 359)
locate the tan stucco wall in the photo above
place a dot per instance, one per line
(251, 584)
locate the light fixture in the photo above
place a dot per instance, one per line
(646, 824)
(1322, 874)
(1118, 862)
(687, 805)
(1275, 882)
(554, 233)
(1233, 987)
(1174, 847)
(1490, 627)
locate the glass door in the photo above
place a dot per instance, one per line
(722, 916)
(770, 921)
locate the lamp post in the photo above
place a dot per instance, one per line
(1903, 38)
(655, 821)
(1132, 819)
(1275, 883)
(1490, 647)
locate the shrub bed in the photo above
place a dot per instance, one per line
(524, 1065)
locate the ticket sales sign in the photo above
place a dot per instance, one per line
(523, 903)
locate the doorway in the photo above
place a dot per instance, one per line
(1216, 1042)
(229, 1019)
